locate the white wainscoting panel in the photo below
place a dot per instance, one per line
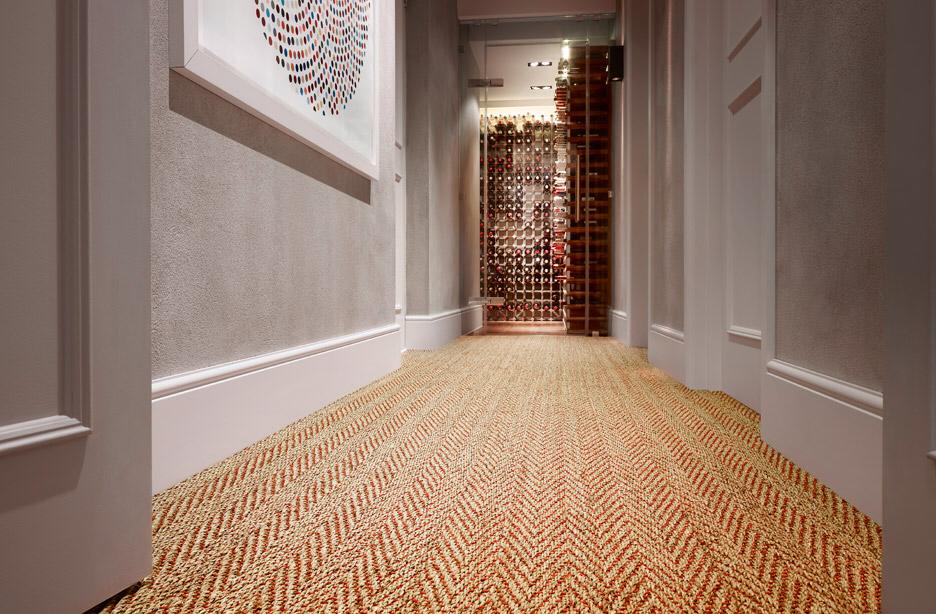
(429, 332)
(744, 200)
(202, 417)
(667, 350)
(829, 427)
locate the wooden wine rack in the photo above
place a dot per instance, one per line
(517, 227)
(583, 103)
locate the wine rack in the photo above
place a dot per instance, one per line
(583, 100)
(517, 217)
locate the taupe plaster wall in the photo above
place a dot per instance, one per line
(259, 243)
(830, 187)
(666, 212)
(432, 160)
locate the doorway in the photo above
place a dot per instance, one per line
(544, 205)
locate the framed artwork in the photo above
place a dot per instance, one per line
(308, 67)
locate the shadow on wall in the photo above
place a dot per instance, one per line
(57, 469)
(210, 110)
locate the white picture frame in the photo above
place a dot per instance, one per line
(191, 58)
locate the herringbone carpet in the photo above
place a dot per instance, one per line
(513, 474)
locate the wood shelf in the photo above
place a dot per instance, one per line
(587, 247)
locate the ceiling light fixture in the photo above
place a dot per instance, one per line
(537, 64)
(540, 87)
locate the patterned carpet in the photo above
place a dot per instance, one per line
(512, 474)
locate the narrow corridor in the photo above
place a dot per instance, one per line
(474, 478)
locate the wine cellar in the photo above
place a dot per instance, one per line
(519, 223)
(583, 105)
(546, 204)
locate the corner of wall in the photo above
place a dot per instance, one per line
(430, 332)
(666, 349)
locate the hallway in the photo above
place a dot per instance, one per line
(475, 478)
(468, 305)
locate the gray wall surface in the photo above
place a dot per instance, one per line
(830, 187)
(432, 162)
(259, 243)
(666, 213)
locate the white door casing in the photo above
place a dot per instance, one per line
(910, 316)
(727, 201)
(746, 177)
(75, 313)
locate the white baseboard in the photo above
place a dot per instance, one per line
(428, 332)
(202, 417)
(666, 349)
(829, 427)
(742, 366)
(619, 326)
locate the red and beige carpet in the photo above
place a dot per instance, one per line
(512, 474)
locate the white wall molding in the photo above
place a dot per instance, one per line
(41, 431)
(193, 379)
(619, 328)
(666, 331)
(853, 394)
(667, 351)
(428, 332)
(751, 334)
(829, 427)
(202, 417)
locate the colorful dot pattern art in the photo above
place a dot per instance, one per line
(321, 44)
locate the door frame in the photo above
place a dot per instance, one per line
(75, 514)
(910, 311)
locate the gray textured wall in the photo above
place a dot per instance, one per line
(666, 215)
(417, 157)
(830, 187)
(259, 242)
(432, 157)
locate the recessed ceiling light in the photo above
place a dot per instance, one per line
(540, 87)
(537, 64)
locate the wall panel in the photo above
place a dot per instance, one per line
(666, 209)
(259, 242)
(29, 217)
(830, 187)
